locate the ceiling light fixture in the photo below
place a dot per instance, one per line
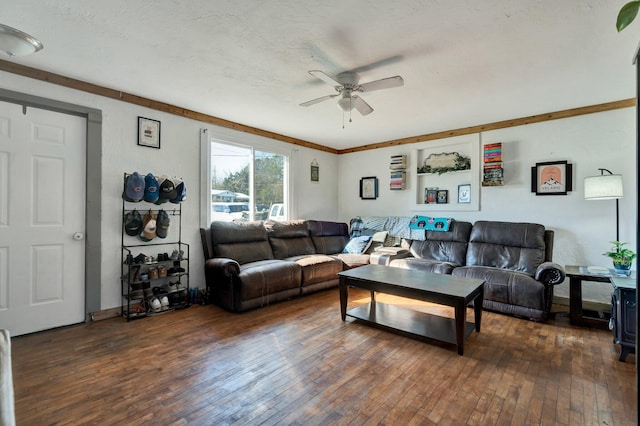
(16, 43)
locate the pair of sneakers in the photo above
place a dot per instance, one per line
(159, 304)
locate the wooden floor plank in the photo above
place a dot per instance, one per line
(297, 362)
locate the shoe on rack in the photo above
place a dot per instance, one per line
(140, 258)
(129, 260)
(155, 304)
(148, 292)
(136, 291)
(169, 287)
(164, 302)
(162, 271)
(174, 255)
(153, 273)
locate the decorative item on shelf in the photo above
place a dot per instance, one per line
(622, 257)
(315, 171)
(605, 187)
(148, 132)
(369, 188)
(430, 195)
(551, 178)
(464, 193)
(492, 173)
(442, 196)
(445, 162)
(398, 176)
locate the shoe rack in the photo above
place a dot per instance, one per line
(154, 274)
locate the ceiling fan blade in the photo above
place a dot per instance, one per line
(362, 107)
(315, 101)
(324, 77)
(384, 83)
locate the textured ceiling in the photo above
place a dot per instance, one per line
(464, 62)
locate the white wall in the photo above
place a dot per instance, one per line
(179, 156)
(582, 228)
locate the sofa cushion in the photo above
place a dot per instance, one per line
(242, 241)
(289, 239)
(449, 246)
(328, 237)
(259, 279)
(317, 268)
(358, 245)
(507, 245)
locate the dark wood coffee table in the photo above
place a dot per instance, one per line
(429, 287)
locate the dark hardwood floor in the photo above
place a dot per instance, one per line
(296, 362)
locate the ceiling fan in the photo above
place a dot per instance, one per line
(347, 87)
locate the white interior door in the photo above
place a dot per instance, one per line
(42, 219)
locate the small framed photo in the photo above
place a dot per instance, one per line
(369, 188)
(315, 173)
(148, 132)
(551, 178)
(464, 194)
(430, 195)
(443, 196)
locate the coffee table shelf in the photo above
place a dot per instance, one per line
(416, 323)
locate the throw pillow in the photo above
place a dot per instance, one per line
(377, 240)
(431, 223)
(357, 245)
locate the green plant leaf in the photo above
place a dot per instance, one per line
(627, 14)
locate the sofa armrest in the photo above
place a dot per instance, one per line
(550, 273)
(222, 266)
(219, 275)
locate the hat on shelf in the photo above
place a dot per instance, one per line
(133, 188)
(132, 223)
(150, 188)
(162, 224)
(181, 191)
(148, 227)
(166, 189)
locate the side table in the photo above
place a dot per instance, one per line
(576, 275)
(623, 315)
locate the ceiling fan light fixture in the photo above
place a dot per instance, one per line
(345, 103)
(16, 43)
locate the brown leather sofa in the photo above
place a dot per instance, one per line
(514, 259)
(252, 264)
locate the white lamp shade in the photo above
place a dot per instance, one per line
(16, 43)
(605, 187)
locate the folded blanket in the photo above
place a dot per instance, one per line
(397, 226)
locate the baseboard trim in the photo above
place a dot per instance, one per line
(106, 314)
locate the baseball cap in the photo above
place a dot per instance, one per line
(148, 227)
(166, 189)
(181, 191)
(162, 224)
(133, 188)
(150, 188)
(132, 223)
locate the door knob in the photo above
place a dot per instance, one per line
(78, 236)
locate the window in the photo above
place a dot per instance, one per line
(247, 183)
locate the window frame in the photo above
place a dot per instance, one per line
(253, 143)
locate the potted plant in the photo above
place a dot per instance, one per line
(622, 257)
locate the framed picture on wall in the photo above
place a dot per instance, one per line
(369, 188)
(551, 178)
(464, 193)
(148, 132)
